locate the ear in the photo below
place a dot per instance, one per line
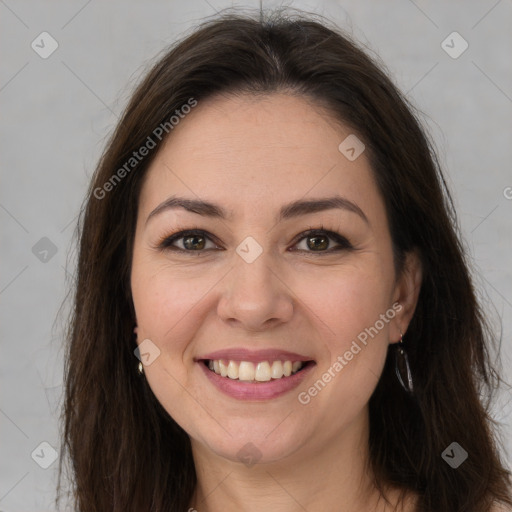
(406, 293)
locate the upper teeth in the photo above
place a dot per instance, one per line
(246, 370)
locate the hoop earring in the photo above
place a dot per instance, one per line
(402, 367)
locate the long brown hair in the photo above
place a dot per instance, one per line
(126, 452)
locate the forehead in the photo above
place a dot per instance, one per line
(258, 150)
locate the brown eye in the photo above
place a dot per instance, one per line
(318, 241)
(194, 242)
(187, 241)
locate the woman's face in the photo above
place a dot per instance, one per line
(255, 285)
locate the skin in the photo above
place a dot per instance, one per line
(252, 155)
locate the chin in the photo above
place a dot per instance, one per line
(256, 447)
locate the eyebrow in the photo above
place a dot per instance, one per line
(288, 211)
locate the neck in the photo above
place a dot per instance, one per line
(326, 474)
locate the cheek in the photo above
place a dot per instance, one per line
(167, 307)
(352, 313)
(164, 301)
(346, 301)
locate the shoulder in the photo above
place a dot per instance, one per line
(501, 507)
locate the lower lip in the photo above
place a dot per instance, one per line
(256, 390)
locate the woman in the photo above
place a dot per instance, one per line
(273, 309)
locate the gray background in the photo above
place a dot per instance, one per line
(57, 113)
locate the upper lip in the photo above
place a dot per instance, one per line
(244, 354)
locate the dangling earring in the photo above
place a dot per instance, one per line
(140, 366)
(402, 367)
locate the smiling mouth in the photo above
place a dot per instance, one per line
(263, 371)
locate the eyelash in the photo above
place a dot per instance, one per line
(166, 242)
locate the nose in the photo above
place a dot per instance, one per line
(255, 296)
